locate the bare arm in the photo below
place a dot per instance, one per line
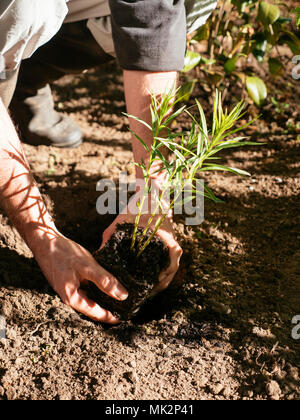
(65, 264)
(139, 85)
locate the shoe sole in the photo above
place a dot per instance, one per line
(67, 146)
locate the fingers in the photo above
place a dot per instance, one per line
(175, 252)
(168, 275)
(123, 217)
(80, 302)
(107, 234)
(105, 281)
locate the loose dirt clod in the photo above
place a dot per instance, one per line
(273, 390)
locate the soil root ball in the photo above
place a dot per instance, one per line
(139, 275)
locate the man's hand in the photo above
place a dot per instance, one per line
(165, 233)
(67, 266)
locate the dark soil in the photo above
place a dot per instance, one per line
(139, 275)
(225, 333)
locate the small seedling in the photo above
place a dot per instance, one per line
(52, 162)
(192, 153)
(279, 107)
(135, 255)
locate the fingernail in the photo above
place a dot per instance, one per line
(115, 321)
(122, 295)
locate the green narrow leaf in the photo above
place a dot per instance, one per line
(215, 167)
(211, 195)
(137, 119)
(297, 11)
(203, 120)
(232, 145)
(170, 145)
(174, 115)
(140, 140)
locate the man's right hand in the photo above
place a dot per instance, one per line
(67, 266)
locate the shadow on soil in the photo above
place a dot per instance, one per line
(245, 296)
(253, 294)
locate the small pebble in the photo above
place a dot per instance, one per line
(163, 346)
(132, 363)
(216, 388)
(227, 392)
(11, 334)
(273, 390)
(160, 367)
(175, 329)
(131, 376)
(202, 382)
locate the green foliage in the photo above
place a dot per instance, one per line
(192, 59)
(297, 11)
(267, 13)
(239, 30)
(279, 106)
(257, 90)
(190, 153)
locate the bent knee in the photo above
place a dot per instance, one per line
(26, 26)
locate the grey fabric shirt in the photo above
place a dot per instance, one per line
(148, 34)
(151, 34)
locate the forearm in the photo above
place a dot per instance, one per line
(19, 194)
(139, 85)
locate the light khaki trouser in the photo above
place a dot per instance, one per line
(25, 26)
(28, 25)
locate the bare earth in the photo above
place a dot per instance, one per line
(225, 333)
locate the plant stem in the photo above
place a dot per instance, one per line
(157, 226)
(151, 218)
(158, 223)
(141, 205)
